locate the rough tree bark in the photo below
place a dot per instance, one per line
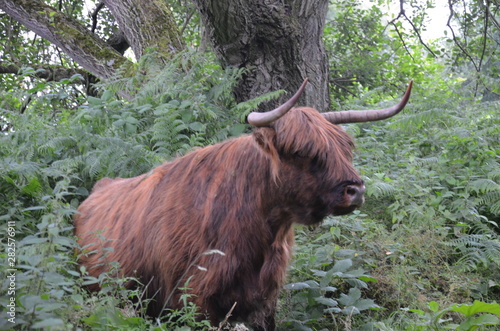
(278, 40)
(147, 24)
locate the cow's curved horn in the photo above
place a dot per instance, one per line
(354, 116)
(264, 119)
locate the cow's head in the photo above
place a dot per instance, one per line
(312, 156)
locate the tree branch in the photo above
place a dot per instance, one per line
(74, 39)
(485, 32)
(492, 16)
(402, 13)
(336, 82)
(188, 18)
(455, 40)
(48, 72)
(99, 6)
(402, 39)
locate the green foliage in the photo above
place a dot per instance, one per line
(368, 56)
(331, 279)
(449, 182)
(375, 48)
(432, 177)
(188, 19)
(478, 315)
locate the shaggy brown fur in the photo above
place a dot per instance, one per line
(240, 197)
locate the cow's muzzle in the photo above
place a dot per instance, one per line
(354, 195)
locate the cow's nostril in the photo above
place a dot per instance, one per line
(355, 194)
(351, 190)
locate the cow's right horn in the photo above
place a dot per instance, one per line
(354, 116)
(264, 119)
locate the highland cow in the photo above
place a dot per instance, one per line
(240, 199)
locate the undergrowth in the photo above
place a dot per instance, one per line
(427, 236)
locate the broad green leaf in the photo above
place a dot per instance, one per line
(94, 101)
(296, 286)
(433, 306)
(364, 304)
(417, 311)
(327, 301)
(197, 126)
(350, 311)
(368, 279)
(351, 298)
(107, 95)
(131, 120)
(477, 307)
(30, 240)
(35, 208)
(48, 323)
(473, 323)
(342, 265)
(237, 130)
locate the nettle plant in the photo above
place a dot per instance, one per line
(327, 281)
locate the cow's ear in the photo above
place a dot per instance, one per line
(266, 139)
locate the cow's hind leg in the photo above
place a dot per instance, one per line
(267, 323)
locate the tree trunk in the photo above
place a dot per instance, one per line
(147, 24)
(278, 41)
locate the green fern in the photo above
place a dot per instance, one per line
(495, 207)
(484, 185)
(416, 120)
(56, 144)
(380, 189)
(427, 161)
(477, 250)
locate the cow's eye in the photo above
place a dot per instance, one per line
(316, 166)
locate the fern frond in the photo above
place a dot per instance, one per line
(477, 249)
(471, 260)
(380, 190)
(492, 169)
(489, 198)
(57, 143)
(94, 163)
(67, 165)
(427, 161)
(353, 129)
(21, 172)
(412, 122)
(244, 108)
(484, 185)
(495, 208)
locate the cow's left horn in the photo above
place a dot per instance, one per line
(264, 119)
(354, 116)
